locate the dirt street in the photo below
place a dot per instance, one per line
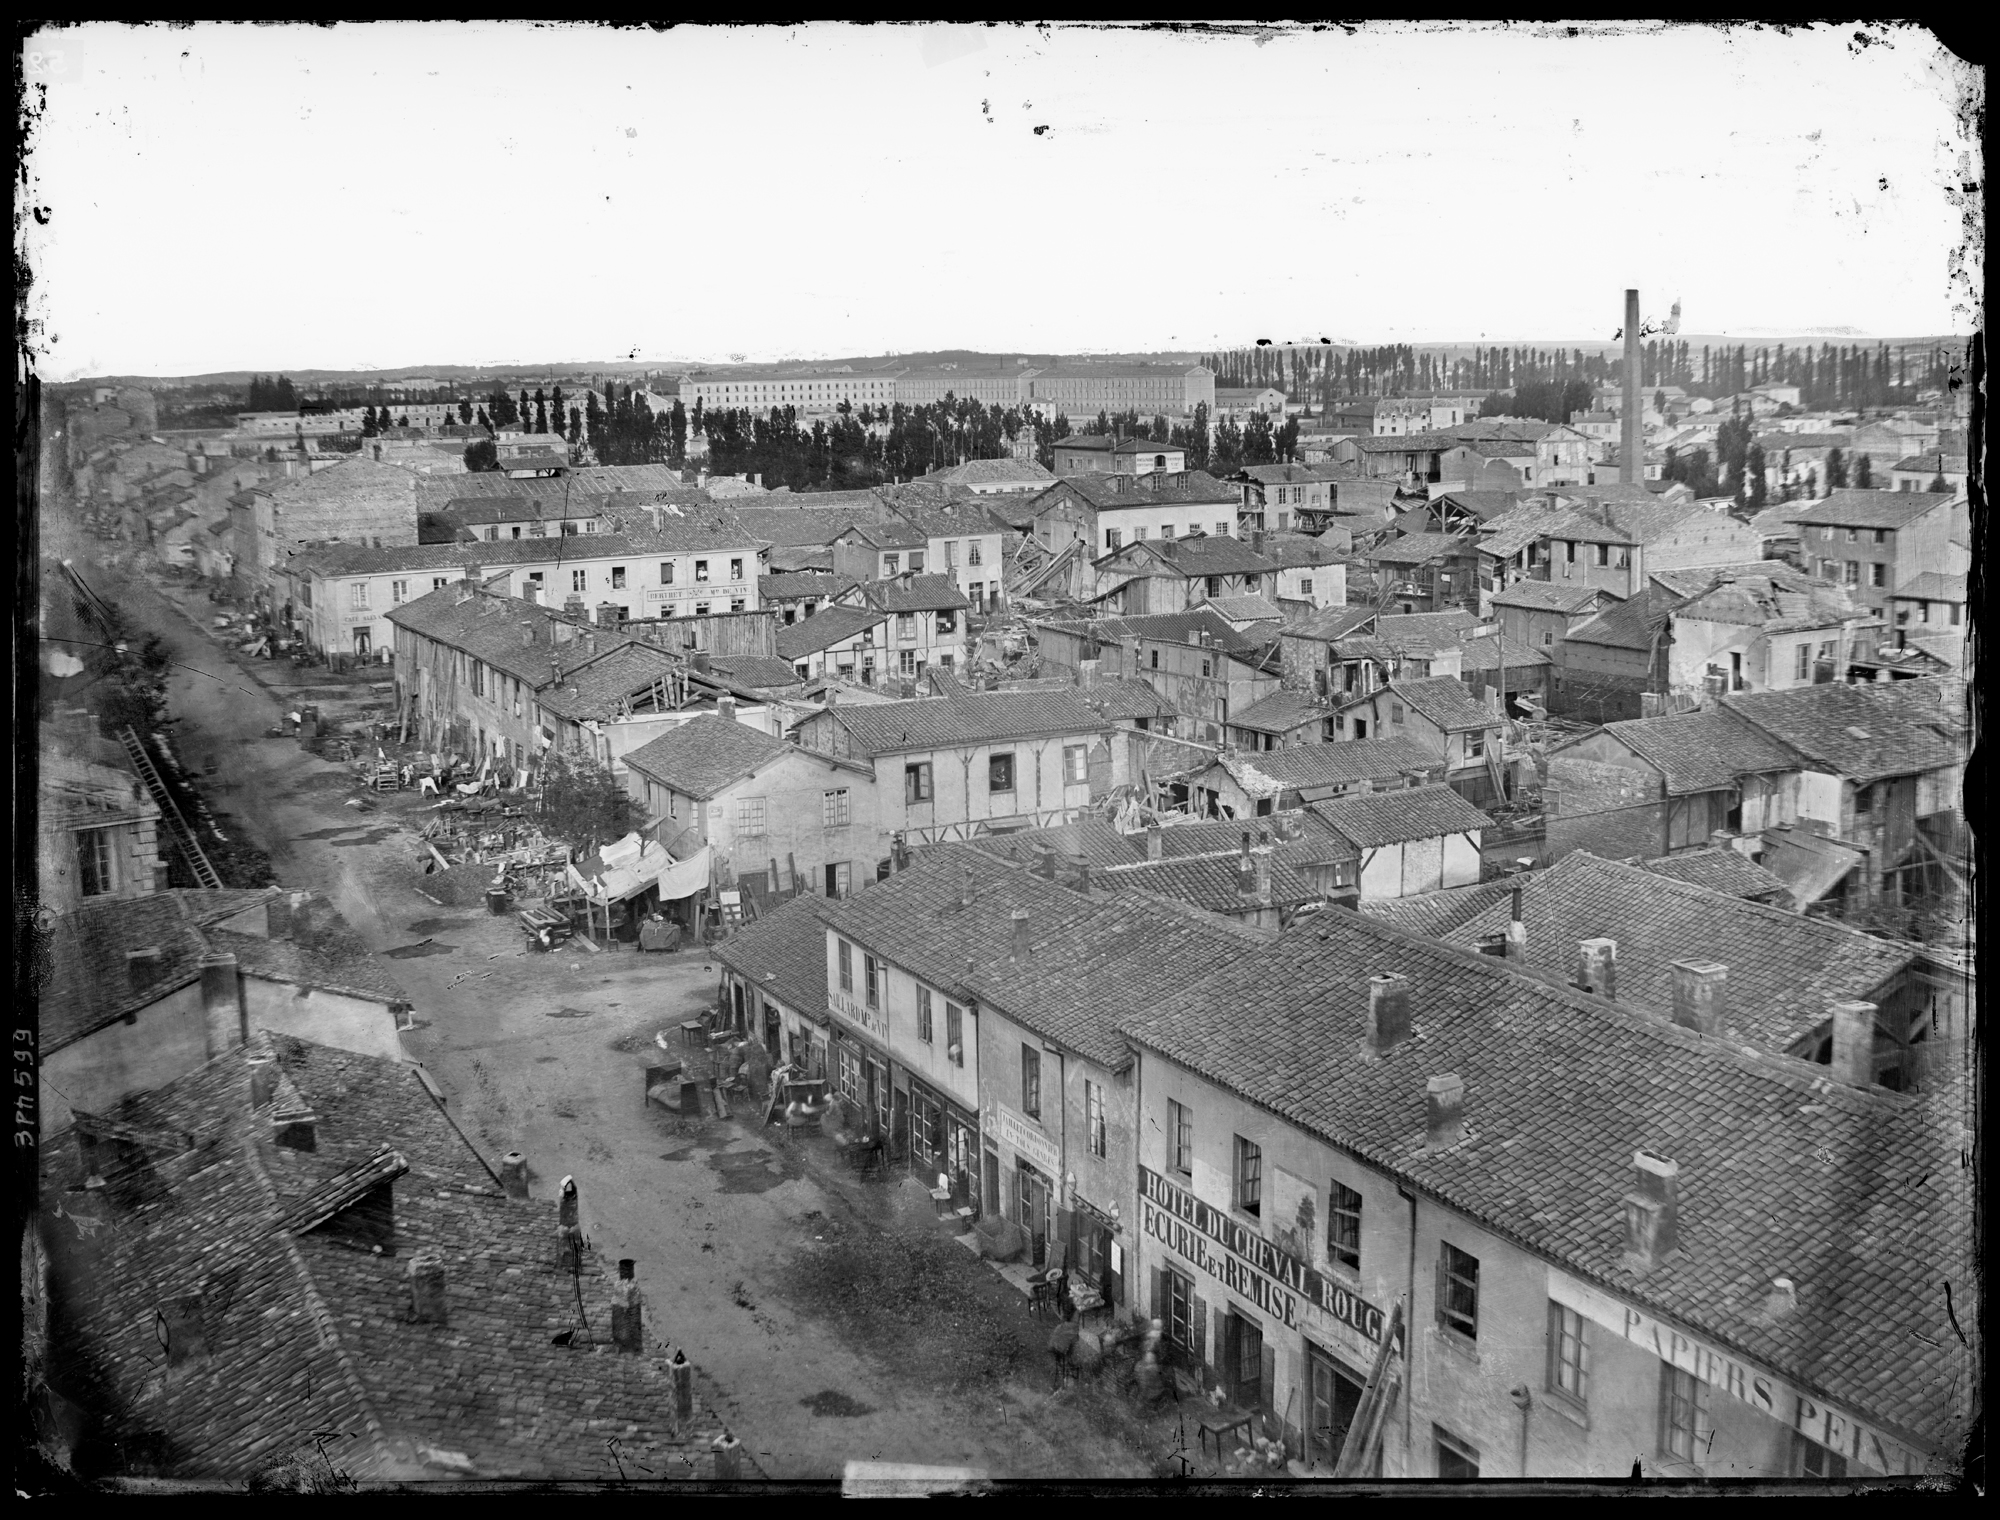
(543, 1054)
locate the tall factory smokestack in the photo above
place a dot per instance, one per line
(1631, 451)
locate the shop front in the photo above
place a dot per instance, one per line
(1031, 1159)
(944, 1142)
(1273, 1332)
(861, 1080)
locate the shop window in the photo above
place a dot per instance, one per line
(1249, 1187)
(1343, 1227)
(1180, 1138)
(846, 955)
(1456, 1459)
(1569, 1355)
(1457, 1291)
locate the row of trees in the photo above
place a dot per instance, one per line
(271, 393)
(1828, 376)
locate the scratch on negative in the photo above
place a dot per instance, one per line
(1953, 1317)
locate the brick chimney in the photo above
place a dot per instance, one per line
(1086, 673)
(1631, 449)
(221, 1003)
(965, 889)
(1019, 952)
(1597, 966)
(1045, 865)
(1517, 929)
(1444, 1112)
(1854, 1043)
(527, 633)
(1652, 1211)
(628, 1332)
(575, 607)
(1701, 995)
(607, 615)
(1388, 1012)
(1260, 866)
(725, 709)
(1155, 848)
(427, 1302)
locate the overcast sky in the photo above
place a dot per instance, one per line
(393, 195)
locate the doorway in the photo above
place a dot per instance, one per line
(737, 999)
(1243, 1361)
(771, 1031)
(1031, 1193)
(361, 644)
(1332, 1395)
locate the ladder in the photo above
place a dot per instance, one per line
(170, 816)
(1364, 1432)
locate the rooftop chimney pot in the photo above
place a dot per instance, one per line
(1444, 1112)
(965, 889)
(1701, 990)
(1783, 1298)
(427, 1301)
(1020, 921)
(1597, 966)
(1155, 848)
(221, 1004)
(1388, 1012)
(142, 967)
(1854, 1043)
(725, 709)
(1652, 1210)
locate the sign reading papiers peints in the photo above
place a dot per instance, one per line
(1244, 1262)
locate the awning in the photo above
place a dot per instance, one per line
(627, 868)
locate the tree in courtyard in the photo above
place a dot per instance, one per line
(481, 456)
(1864, 474)
(464, 413)
(1938, 483)
(1757, 488)
(1836, 470)
(582, 802)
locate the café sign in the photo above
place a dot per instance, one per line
(1026, 1138)
(874, 1020)
(1244, 1262)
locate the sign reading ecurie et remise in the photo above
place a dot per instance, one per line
(1247, 1264)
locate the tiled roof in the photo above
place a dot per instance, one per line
(1553, 596)
(798, 583)
(1297, 836)
(1433, 915)
(1091, 837)
(1102, 444)
(89, 985)
(1777, 443)
(1170, 627)
(984, 717)
(1199, 555)
(1139, 491)
(1562, 1089)
(1421, 633)
(1702, 751)
(1330, 624)
(942, 513)
(598, 690)
(889, 533)
(1211, 882)
(1091, 958)
(754, 671)
(1869, 509)
(1932, 586)
(920, 593)
(991, 472)
(1630, 624)
(805, 528)
(1421, 548)
(1278, 474)
(1865, 732)
(1294, 551)
(304, 1333)
(787, 944)
(1279, 713)
(1722, 870)
(1488, 654)
(1446, 701)
(824, 629)
(487, 626)
(1244, 608)
(703, 755)
(1369, 819)
(1697, 579)
(1783, 967)
(1315, 765)
(1125, 697)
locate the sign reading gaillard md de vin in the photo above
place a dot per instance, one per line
(1246, 1263)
